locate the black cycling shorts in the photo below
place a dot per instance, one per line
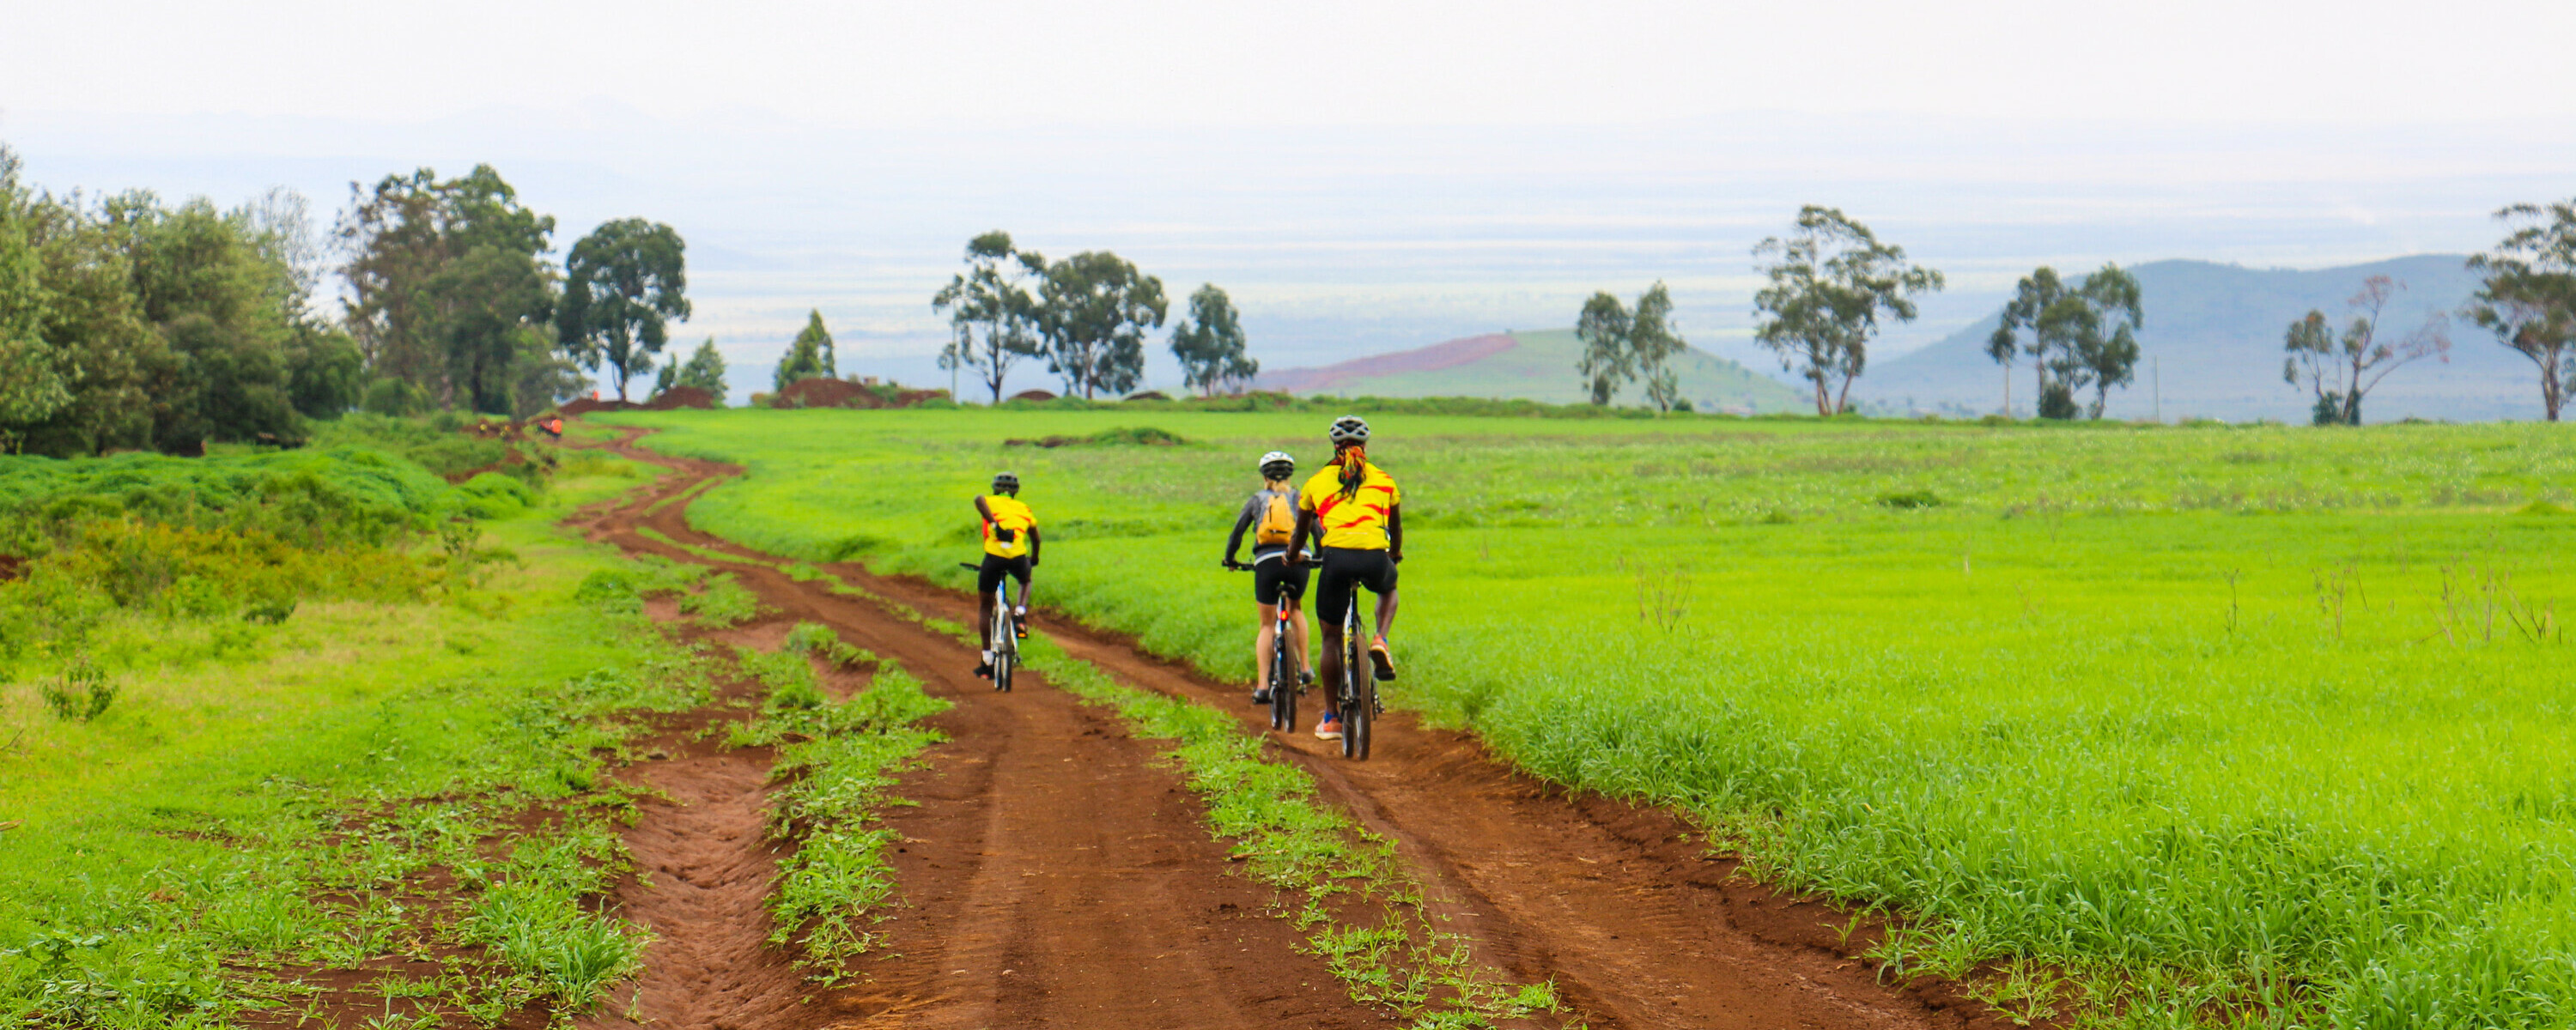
(1344, 568)
(1272, 578)
(995, 566)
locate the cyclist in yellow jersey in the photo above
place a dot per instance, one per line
(1353, 510)
(1010, 549)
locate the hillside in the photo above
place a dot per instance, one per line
(2213, 333)
(1534, 365)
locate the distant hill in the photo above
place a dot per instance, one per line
(1534, 365)
(2213, 332)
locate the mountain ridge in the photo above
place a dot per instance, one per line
(2211, 347)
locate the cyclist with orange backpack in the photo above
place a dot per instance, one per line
(1271, 514)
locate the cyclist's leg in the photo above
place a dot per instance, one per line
(1262, 644)
(1332, 598)
(1292, 592)
(986, 579)
(1380, 580)
(1021, 570)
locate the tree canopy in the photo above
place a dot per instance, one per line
(1094, 311)
(447, 280)
(2528, 298)
(992, 316)
(705, 370)
(1210, 344)
(1621, 346)
(809, 356)
(621, 283)
(2080, 336)
(1829, 283)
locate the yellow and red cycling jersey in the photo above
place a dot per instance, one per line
(1357, 522)
(1006, 534)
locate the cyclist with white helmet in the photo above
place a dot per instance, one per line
(1352, 511)
(1271, 516)
(1010, 549)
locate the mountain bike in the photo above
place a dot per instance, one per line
(1356, 698)
(1283, 683)
(1005, 642)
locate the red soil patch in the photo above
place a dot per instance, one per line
(1421, 359)
(1033, 395)
(12, 567)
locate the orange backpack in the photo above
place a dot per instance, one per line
(1278, 522)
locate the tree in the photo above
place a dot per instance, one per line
(810, 356)
(620, 283)
(705, 370)
(31, 385)
(225, 305)
(1607, 363)
(1209, 344)
(101, 348)
(325, 374)
(992, 318)
(446, 278)
(1652, 345)
(1093, 311)
(2528, 298)
(2340, 371)
(1829, 284)
(2068, 346)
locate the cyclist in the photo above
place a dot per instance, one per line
(1271, 514)
(1352, 510)
(1010, 548)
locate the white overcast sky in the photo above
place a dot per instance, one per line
(1362, 176)
(1311, 63)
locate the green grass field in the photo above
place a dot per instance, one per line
(261, 798)
(2252, 724)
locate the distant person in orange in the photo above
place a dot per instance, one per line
(553, 427)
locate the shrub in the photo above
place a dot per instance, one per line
(80, 693)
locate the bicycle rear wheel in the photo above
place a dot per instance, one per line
(1006, 646)
(1355, 715)
(1283, 684)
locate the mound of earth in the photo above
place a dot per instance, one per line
(841, 393)
(1033, 395)
(1149, 395)
(681, 397)
(587, 405)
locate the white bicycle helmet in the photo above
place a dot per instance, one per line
(1349, 429)
(1281, 460)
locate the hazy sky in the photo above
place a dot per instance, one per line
(1361, 176)
(1312, 63)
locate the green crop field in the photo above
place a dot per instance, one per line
(2253, 724)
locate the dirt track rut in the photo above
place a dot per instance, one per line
(1055, 874)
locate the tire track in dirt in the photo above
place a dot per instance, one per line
(1054, 871)
(1618, 903)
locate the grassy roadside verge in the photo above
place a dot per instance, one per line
(837, 762)
(393, 806)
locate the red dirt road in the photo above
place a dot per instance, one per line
(1055, 874)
